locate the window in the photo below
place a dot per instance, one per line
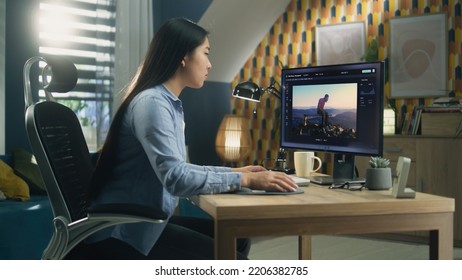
(84, 32)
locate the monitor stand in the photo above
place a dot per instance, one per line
(343, 171)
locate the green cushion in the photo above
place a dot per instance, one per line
(26, 167)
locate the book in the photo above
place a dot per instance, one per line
(413, 120)
(447, 100)
(417, 126)
(406, 123)
(442, 109)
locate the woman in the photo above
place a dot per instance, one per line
(143, 158)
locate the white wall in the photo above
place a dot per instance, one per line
(134, 31)
(236, 28)
(2, 76)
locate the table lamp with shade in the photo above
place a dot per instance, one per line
(233, 142)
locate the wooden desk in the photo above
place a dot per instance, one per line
(324, 211)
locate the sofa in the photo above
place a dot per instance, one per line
(25, 225)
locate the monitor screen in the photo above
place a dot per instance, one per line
(334, 108)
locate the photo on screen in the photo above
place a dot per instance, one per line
(340, 106)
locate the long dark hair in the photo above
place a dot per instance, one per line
(172, 42)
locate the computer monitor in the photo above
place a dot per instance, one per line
(336, 109)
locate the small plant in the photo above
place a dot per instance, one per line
(379, 162)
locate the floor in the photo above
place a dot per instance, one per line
(341, 248)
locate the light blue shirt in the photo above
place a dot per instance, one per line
(151, 167)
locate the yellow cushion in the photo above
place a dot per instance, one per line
(25, 166)
(11, 185)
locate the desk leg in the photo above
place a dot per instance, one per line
(304, 247)
(225, 242)
(441, 248)
(441, 241)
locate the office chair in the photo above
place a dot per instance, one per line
(62, 155)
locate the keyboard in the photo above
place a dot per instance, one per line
(328, 180)
(247, 191)
(301, 181)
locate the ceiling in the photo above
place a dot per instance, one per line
(236, 28)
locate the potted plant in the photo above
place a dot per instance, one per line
(378, 175)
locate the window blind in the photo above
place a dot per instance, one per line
(84, 32)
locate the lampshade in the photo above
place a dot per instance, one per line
(233, 142)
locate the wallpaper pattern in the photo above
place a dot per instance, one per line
(290, 43)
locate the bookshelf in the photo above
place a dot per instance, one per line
(442, 118)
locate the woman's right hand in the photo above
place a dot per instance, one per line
(268, 181)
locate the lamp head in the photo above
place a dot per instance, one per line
(248, 90)
(251, 91)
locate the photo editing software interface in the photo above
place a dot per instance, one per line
(336, 109)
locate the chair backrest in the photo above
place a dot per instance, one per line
(58, 143)
(56, 138)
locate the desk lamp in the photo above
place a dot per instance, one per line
(251, 91)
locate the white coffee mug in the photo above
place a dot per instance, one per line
(304, 163)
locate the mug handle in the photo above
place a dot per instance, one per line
(319, 163)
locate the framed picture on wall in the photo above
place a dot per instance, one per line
(340, 43)
(418, 56)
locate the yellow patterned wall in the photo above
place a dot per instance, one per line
(289, 43)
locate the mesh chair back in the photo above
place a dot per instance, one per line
(59, 141)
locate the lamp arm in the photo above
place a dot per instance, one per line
(272, 89)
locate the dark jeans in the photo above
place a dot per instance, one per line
(184, 238)
(324, 117)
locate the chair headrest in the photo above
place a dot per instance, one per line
(64, 74)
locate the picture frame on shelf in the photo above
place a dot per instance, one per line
(340, 43)
(418, 56)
